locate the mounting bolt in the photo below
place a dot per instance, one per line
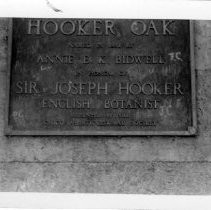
(192, 130)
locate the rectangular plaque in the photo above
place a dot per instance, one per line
(101, 77)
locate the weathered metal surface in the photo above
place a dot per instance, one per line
(101, 77)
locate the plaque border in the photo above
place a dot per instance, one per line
(192, 130)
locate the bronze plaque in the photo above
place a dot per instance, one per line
(101, 77)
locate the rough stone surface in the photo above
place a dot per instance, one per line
(122, 177)
(160, 165)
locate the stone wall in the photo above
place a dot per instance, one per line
(158, 165)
